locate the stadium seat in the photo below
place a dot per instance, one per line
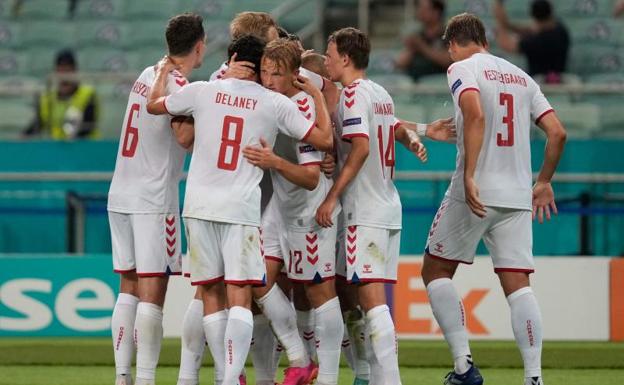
(113, 99)
(213, 10)
(410, 111)
(581, 120)
(147, 34)
(99, 9)
(156, 10)
(382, 61)
(42, 9)
(590, 59)
(13, 63)
(299, 17)
(596, 30)
(50, 34)
(393, 81)
(104, 34)
(10, 36)
(103, 60)
(601, 8)
(17, 113)
(139, 59)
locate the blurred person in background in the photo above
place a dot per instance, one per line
(69, 110)
(618, 8)
(424, 52)
(545, 42)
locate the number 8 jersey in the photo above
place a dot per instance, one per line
(149, 160)
(510, 100)
(371, 199)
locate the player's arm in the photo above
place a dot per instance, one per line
(331, 93)
(354, 162)
(442, 130)
(474, 128)
(184, 131)
(321, 136)
(411, 141)
(156, 96)
(306, 176)
(543, 194)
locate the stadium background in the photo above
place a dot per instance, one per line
(54, 235)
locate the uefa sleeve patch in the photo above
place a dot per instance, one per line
(306, 148)
(456, 85)
(351, 122)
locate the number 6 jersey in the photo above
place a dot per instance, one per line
(510, 99)
(149, 160)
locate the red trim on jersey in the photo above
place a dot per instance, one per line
(308, 132)
(466, 89)
(118, 271)
(543, 114)
(252, 282)
(448, 260)
(176, 273)
(187, 275)
(512, 270)
(372, 280)
(273, 258)
(340, 276)
(165, 105)
(323, 279)
(207, 282)
(349, 136)
(310, 164)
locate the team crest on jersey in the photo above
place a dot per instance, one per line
(306, 148)
(351, 122)
(456, 85)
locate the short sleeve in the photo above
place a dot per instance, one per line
(290, 121)
(308, 155)
(355, 119)
(461, 79)
(182, 102)
(175, 81)
(540, 106)
(315, 78)
(218, 74)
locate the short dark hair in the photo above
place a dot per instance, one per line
(65, 57)
(353, 43)
(282, 32)
(248, 48)
(439, 6)
(541, 10)
(464, 29)
(183, 32)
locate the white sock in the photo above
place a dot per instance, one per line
(329, 331)
(526, 322)
(375, 369)
(449, 312)
(214, 332)
(193, 342)
(346, 349)
(122, 328)
(383, 340)
(237, 341)
(357, 334)
(148, 330)
(306, 325)
(277, 354)
(263, 348)
(278, 309)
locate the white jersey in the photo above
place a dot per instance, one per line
(298, 205)
(149, 160)
(222, 186)
(316, 79)
(510, 100)
(371, 199)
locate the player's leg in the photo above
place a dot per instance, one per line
(453, 238)
(305, 318)
(124, 312)
(244, 266)
(193, 341)
(510, 244)
(263, 348)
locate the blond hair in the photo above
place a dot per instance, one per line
(251, 23)
(315, 62)
(285, 53)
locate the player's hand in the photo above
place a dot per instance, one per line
(472, 198)
(325, 211)
(442, 130)
(238, 69)
(166, 64)
(418, 148)
(328, 165)
(263, 157)
(543, 201)
(305, 85)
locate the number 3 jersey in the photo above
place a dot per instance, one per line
(149, 159)
(371, 199)
(510, 100)
(231, 114)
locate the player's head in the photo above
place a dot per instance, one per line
(284, 34)
(186, 37)
(430, 11)
(465, 35)
(315, 62)
(248, 48)
(280, 65)
(65, 63)
(347, 49)
(541, 10)
(259, 24)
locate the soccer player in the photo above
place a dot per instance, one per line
(222, 202)
(490, 195)
(143, 209)
(371, 205)
(289, 229)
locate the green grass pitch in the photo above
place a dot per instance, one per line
(73, 361)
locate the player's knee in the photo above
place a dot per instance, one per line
(433, 269)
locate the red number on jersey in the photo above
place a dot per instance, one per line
(507, 100)
(387, 157)
(130, 144)
(234, 144)
(299, 255)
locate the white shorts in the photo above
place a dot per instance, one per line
(311, 254)
(224, 251)
(273, 235)
(372, 254)
(507, 234)
(146, 243)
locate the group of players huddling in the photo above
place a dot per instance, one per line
(306, 273)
